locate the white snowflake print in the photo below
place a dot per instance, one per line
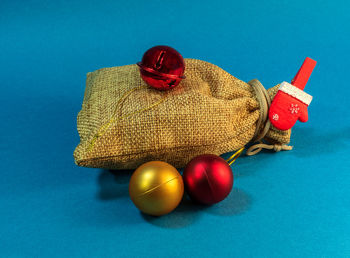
(275, 117)
(294, 109)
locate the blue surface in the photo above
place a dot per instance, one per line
(290, 204)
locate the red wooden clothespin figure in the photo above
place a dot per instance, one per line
(291, 102)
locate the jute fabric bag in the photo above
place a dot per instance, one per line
(124, 123)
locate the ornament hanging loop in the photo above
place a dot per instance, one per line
(234, 156)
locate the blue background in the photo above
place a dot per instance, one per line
(289, 204)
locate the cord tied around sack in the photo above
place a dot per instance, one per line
(263, 123)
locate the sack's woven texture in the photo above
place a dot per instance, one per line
(208, 112)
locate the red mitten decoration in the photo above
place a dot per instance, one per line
(291, 105)
(291, 102)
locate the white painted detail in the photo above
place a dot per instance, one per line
(275, 117)
(294, 108)
(296, 92)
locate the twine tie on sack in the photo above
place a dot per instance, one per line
(263, 123)
(256, 148)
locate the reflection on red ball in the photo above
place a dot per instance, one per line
(162, 67)
(208, 179)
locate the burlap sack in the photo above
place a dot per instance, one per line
(124, 123)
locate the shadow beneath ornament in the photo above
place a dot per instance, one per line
(111, 207)
(113, 184)
(188, 212)
(185, 214)
(236, 203)
(312, 142)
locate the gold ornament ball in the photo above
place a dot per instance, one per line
(156, 188)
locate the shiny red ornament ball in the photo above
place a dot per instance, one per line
(162, 67)
(208, 179)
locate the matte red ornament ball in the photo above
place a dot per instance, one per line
(208, 179)
(162, 67)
